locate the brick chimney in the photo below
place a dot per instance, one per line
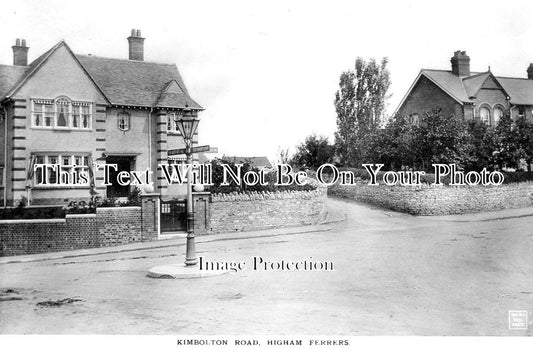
(460, 64)
(136, 45)
(530, 71)
(20, 53)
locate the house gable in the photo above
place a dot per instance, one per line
(491, 93)
(59, 74)
(424, 96)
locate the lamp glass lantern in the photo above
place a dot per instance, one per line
(187, 125)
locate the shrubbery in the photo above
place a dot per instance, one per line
(270, 178)
(73, 207)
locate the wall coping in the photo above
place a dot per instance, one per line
(116, 208)
(265, 195)
(80, 215)
(44, 220)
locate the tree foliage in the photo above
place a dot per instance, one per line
(360, 103)
(313, 152)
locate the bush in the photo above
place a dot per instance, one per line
(32, 212)
(270, 178)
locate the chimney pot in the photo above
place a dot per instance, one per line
(136, 45)
(460, 63)
(20, 53)
(530, 71)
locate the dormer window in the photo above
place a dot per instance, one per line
(123, 121)
(61, 113)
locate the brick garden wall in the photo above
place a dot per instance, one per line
(434, 200)
(108, 227)
(257, 211)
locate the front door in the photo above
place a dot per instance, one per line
(116, 190)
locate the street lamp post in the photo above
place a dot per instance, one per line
(187, 125)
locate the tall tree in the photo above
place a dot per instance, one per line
(360, 103)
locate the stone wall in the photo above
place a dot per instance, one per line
(257, 211)
(443, 200)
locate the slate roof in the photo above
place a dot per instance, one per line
(450, 83)
(462, 88)
(123, 82)
(9, 76)
(137, 83)
(520, 90)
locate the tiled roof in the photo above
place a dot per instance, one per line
(520, 90)
(449, 82)
(9, 76)
(137, 83)
(123, 82)
(474, 82)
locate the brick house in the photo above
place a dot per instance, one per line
(73, 110)
(469, 95)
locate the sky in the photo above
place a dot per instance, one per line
(266, 72)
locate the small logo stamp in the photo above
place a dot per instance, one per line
(517, 320)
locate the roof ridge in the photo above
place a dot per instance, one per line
(476, 75)
(510, 77)
(123, 59)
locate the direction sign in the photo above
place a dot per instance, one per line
(199, 149)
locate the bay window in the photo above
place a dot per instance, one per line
(67, 172)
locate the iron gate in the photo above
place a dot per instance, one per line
(173, 215)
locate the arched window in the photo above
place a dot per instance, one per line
(497, 115)
(484, 114)
(124, 121)
(62, 111)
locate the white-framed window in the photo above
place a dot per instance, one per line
(123, 119)
(67, 173)
(61, 113)
(171, 123)
(484, 115)
(497, 115)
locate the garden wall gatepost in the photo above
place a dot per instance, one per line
(150, 216)
(201, 212)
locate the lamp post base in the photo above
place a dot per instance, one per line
(190, 257)
(179, 271)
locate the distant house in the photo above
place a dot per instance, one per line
(73, 110)
(466, 94)
(256, 162)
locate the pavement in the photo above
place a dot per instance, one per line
(393, 274)
(332, 216)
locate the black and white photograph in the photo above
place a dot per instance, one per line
(263, 176)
